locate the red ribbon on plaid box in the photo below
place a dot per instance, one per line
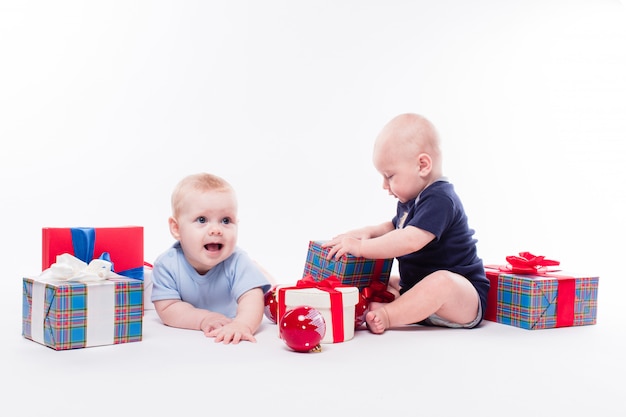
(377, 292)
(528, 264)
(336, 300)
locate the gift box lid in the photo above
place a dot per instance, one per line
(317, 298)
(549, 275)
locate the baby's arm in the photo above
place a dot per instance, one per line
(250, 308)
(395, 243)
(366, 232)
(177, 313)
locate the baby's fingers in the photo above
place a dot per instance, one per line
(332, 251)
(233, 337)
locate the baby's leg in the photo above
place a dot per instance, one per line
(393, 286)
(449, 295)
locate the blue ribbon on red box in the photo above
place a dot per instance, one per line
(84, 243)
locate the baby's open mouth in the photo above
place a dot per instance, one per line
(213, 246)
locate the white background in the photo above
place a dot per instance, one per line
(104, 106)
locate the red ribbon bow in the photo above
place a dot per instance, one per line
(310, 282)
(527, 263)
(377, 292)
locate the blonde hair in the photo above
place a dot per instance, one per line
(200, 182)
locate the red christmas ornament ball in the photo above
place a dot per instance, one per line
(360, 311)
(271, 305)
(302, 328)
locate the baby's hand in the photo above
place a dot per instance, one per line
(334, 244)
(343, 245)
(233, 332)
(213, 321)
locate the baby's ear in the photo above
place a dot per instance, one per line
(174, 228)
(425, 162)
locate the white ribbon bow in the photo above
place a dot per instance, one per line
(69, 268)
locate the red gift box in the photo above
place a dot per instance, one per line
(122, 246)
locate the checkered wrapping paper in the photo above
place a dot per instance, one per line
(350, 270)
(530, 302)
(66, 306)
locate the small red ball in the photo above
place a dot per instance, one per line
(271, 305)
(302, 328)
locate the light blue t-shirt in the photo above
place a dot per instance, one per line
(218, 290)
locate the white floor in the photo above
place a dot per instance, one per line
(490, 371)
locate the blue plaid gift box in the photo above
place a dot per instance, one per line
(72, 314)
(350, 270)
(541, 301)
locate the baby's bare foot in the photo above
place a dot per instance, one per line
(377, 320)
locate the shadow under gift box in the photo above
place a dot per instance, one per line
(70, 315)
(542, 301)
(350, 270)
